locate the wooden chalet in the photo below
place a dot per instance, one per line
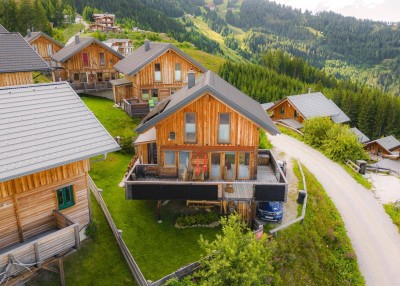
(18, 60)
(386, 146)
(152, 72)
(294, 109)
(123, 46)
(47, 137)
(201, 144)
(87, 63)
(104, 22)
(45, 46)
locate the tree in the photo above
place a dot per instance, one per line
(316, 130)
(8, 15)
(87, 14)
(236, 257)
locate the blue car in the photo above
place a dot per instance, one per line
(270, 211)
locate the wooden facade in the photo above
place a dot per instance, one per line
(376, 149)
(93, 64)
(46, 48)
(27, 204)
(146, 84)
(285, 110)
(241, 151)
(16, 78)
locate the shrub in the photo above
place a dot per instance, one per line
(264, 143)
(316, 130)
(197, 219)
(91, 230)
(126, 144)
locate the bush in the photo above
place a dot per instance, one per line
(197, 219)
(91, 230)
(264, 143)
(316, 130)
(126, 144)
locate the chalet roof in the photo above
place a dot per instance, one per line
(120, 81)
(102, 15)
(140, 58)
(67, 52)
(389, 143)
(43, 126)
(118, 41)
(2, 29)
(362, 138)
(388, 164)
(291, 123)
(16, 55)
(317, 105)
(148, 136)
(35, 35)
(211, 83)
(267, 105)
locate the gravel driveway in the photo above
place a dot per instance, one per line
(375, 238)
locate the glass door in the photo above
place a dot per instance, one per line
(183, 161)
(230, 166)
(215, 166)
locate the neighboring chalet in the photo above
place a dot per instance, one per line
(152, 72)
(18, 60)
(201, 144)
(123, 46)
(87, 63)
(47, 136)
(44, 45)
(386, 146)
(362, 138)
(294, 109)
(104, 23)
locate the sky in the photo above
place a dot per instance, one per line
(379, 10)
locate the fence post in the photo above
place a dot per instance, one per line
(77, 238)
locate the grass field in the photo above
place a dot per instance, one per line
(394, 213)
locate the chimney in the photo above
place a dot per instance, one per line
(77, 40)
(29, 33)
(309, 90)
(191, 78)
(146, 45)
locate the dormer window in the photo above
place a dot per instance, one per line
(190, 127)
(282, 110)
(178, 73)
(224, 128)
(102, 59)
(157, 72)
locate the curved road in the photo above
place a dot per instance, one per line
(375, 238)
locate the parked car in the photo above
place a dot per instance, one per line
(270, 211)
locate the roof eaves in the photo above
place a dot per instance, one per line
(149, 60)
(184, 55)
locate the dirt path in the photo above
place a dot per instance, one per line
(375, 239)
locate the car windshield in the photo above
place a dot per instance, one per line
(270, 206)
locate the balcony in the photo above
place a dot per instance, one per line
(152, 182)
(40, 248)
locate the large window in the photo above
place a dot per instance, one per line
(102, 59)
(178, 74)
(99, 76)
(83, 77)
(169, 158)
(224, 128)
(50, 49)
(190, 127)
(157, 72)
(85, 60)
(65, 198)
(244, 165)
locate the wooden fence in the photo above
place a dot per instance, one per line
(133, 267)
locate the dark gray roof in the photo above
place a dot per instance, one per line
(389, 142)
(118, 41)
(67, 52)
(120, 81)
(317, 105)
(43, 126)
(140, 58)
(362, 138)
(291, 123)
(394, 165)
(35, 35)
(16, 55)
(211, 83)
(2, 29)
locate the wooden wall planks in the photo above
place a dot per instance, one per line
(17, 78)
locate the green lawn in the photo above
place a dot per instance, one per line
(319, 251)
(394, 213)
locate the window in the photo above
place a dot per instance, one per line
(157, 72)
(50, 49)
(169, 158)
(154, 92)
(106, 76)
(178, 74)
(224, 128)
(76, 76)
(85, 60)
(190, 127)
(230, 166)
(145, 94)
(282, 110)
(99, 76)
(244, 166)
(295, 114)
(83, 77)
(113, 75)
(65, 198)
(102, 59)
(34, 46)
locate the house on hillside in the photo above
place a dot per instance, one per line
(294, 109)
(47, 138)
(87, 63)
(123, 46)
(45, 46)
(105, 23)
(152, 72)
(362, 138)
(18, 60)
(386, 146)
(201, 145)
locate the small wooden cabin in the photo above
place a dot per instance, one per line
(47, 138)
(294, 109)
(44, 45)
(153, 71)
(207, 132)
(386, 146)
(87, 63)
(18, 60)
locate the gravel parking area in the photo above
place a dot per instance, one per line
(385, 187)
